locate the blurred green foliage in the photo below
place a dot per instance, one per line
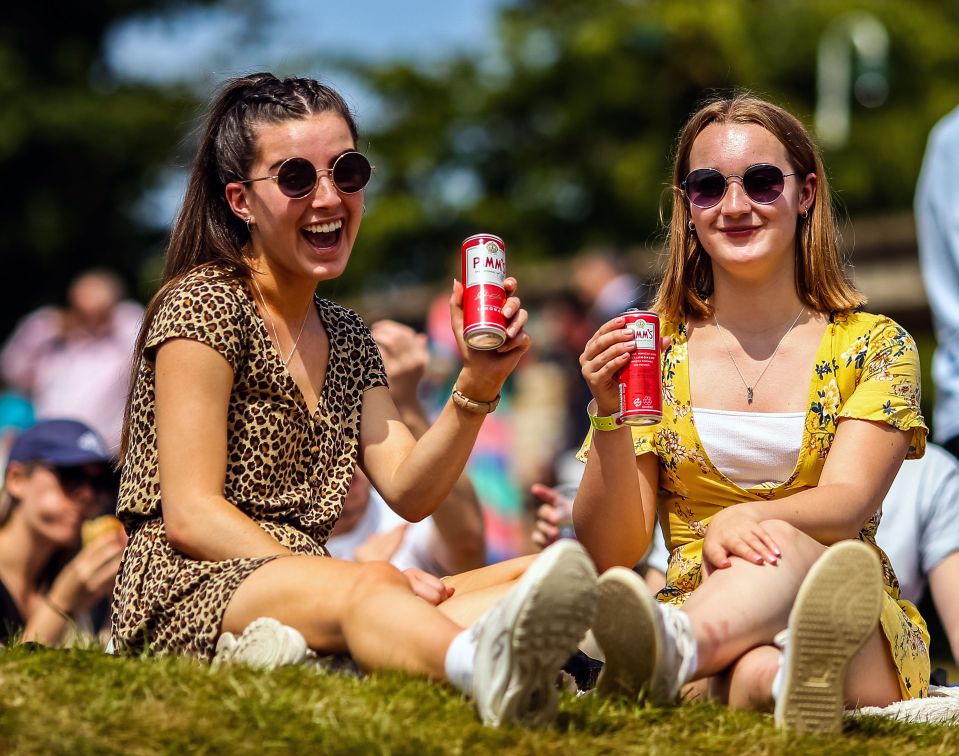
(78, 150)
(565, 139)
(559, 141)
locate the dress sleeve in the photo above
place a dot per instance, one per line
(203, 309)
(374, 373)
(887, 389)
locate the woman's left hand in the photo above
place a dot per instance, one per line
(428, 587)
(485, 371)
(738, 531)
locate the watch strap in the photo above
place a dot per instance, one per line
(474, 405)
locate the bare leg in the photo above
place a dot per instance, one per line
(479, 589)
(743, 606)
(731, 620)
(491, 575)
(366, 609)
(872, 679)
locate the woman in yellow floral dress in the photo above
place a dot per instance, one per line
(787, 412)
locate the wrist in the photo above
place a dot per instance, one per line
(600, 421)
(57, 607)
(477, 387)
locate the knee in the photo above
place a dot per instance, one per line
(373, 577)
(789, 537)
(798, 548)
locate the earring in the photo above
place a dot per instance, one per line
(804, 213)
(691, 226)
(250, 222)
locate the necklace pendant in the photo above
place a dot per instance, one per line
(749, 395)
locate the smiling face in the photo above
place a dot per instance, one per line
(312, 236)
(45, 507)
(742, 237)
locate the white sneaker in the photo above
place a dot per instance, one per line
(266, 643)
(648, 646)
(523, 641)
(836, 610)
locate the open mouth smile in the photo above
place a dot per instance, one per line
(323, 235)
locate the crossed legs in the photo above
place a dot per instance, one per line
(736, 612)
(368, 610)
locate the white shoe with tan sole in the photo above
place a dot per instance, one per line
(836, 610)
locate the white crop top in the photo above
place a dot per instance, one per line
(751, 448)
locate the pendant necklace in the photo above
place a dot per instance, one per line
(749, 389)
(276, 336)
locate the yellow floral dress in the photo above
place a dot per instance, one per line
(867, 367)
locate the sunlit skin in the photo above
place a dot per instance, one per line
(281, 253)
(743, 238)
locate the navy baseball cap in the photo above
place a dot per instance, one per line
(59, 442)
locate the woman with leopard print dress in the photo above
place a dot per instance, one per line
(253, 400)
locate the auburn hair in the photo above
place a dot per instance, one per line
(687, 282)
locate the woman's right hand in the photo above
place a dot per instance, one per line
(605, 354)
(90, 575)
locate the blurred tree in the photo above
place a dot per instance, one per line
(78, 150)
(564, 139)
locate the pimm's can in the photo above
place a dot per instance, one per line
(640, 382)
(484, 269)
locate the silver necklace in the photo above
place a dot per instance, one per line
(749, 389)
(276, 336)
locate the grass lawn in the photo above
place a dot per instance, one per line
(80, 702)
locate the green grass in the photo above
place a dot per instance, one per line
(81, 702)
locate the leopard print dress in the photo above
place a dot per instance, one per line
(286, 469)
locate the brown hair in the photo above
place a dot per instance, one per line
(688, 279)
(206, 232)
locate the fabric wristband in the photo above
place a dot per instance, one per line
(474, 405)
(600, 422)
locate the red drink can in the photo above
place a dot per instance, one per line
(484, 270)
(640, 382)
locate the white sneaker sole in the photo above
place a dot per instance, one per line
(627, 632)
(265, 643)
(557, 596)
(836, 610)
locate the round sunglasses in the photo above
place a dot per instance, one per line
(296, 177)
(763, 184)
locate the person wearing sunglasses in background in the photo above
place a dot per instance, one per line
(787, 413)
(253, 400)
(58, 477)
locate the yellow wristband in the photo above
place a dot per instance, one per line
(600, 422)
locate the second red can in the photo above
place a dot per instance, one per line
(640, 382)
(484, 269)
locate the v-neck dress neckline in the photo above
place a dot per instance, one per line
(281, 369)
